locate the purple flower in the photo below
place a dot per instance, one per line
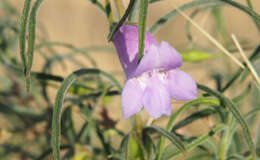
(156, 79)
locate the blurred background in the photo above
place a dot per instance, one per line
(82, 25)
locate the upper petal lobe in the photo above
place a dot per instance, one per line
(126, 43)
(162, 57)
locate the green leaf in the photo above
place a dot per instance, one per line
(255, 102)
(142, 28)
(57, 114)
(109, 13)
(252, 112)
(195, 56)
(31, 41)
(48, 151)
(23, 30)
(82, 131)
(193, 117)
(149, 146)
(115, 27)
(107, 147)
(168, 154)
(203, 156)
(236, 156)
(99, 5)
(124, 146)
(133, 14)
(257, 138)
(59, 103)
(235, 112)
(32, 28)
(67, 125)
(174, 116)
(242, 95)
(173, 138)
(21, 111)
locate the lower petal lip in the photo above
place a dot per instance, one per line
(182, 86)
(156, 98)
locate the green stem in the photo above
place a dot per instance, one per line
(138, 124)
(138, 129)
(226, 139)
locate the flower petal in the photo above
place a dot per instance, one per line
(159, 57)
(126, 43)
(131, 98)
(156, 98)
(182, 86)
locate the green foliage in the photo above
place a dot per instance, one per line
(37, 128)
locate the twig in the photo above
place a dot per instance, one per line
(249, 64)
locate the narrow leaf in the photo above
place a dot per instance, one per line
(31, 40)
(99, 5)
(108, 10)
(174, 116)
(168, 154)
(23, 30)
(59, 103)
(173, 138)
(122, 20)
(193, 117)
(142, 28)
(235, 112)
